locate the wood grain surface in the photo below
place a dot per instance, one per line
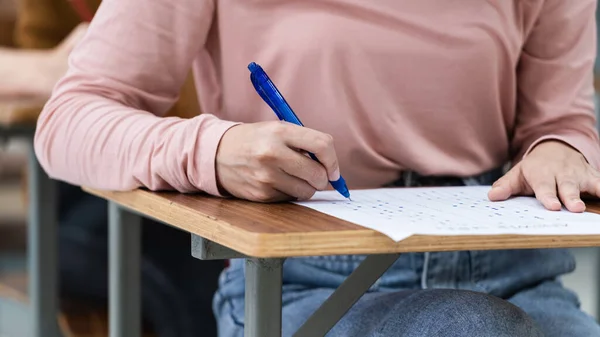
(20, 112)
(288, 230)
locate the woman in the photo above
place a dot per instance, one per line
(431, 92)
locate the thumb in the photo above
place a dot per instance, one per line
(512, 183)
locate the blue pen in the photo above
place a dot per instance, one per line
(269, 93)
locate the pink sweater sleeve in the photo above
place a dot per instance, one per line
(101, 128)
(555, 82)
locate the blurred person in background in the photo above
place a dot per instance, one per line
(8, 14)
(176, 297)
(28, 75)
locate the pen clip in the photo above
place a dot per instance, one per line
(271, 95)
(261, 92)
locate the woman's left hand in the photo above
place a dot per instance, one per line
(555, 173)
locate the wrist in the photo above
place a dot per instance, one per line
(553, 144)
(218, 157)
(36, 74)
(53, 66)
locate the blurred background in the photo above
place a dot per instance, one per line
(13, 207)
(12, 166)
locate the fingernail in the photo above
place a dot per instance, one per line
(497, 189)
(578, 201)
(335, 175)
(555, 202)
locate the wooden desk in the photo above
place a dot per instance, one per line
(22, 113)
(287, 230)
(265, 234)
(18, 121)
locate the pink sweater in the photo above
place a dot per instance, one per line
(440, 87)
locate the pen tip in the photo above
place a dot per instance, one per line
(349, 199)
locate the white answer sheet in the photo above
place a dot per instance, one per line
(402, 212)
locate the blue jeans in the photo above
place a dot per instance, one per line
(466, 293)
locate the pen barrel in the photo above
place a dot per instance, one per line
(271, 95)
(341, 187)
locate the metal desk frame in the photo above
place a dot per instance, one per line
(42, 241)
(263, 283)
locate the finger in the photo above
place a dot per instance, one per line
(512, 183)
(543, 185)
(293, 186)
(266, 194)
(569, 193)
(304, 168)
(318, 143)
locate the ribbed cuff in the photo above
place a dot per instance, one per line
(203, 175)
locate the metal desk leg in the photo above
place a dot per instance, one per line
(124, 272)
(344, 297)
(42, 250)
(204, 249)
(262, 317)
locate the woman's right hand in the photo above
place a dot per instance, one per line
(267, 162)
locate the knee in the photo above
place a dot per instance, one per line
(445, 312)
